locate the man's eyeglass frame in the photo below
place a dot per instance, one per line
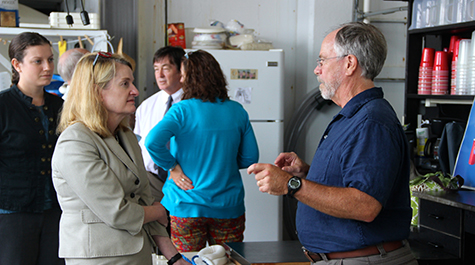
(320, 61)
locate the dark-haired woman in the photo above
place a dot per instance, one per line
(211, 138)
(29, 211)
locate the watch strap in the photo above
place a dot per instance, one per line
(174, 259)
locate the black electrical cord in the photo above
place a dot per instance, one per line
(314, 101)
(289, 213)
(69, 18)
(84, 15)
(166, 22)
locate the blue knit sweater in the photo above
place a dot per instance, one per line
(211, 142)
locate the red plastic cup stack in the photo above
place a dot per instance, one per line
(453, 83)
(440, 74)
(424, 86)
(453, 42)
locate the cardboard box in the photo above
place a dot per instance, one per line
(9, 18)
(176, 35)
(9, 13)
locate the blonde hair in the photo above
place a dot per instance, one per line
(84, 103)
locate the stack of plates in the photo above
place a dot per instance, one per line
(209, 38)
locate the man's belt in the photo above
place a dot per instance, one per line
(363, 252)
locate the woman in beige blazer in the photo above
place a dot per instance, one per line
(109, 215)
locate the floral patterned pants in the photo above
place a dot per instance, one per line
(191, 234)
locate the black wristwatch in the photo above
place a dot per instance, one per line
(294, 185)
(174, 259)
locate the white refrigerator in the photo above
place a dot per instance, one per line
(256, 80)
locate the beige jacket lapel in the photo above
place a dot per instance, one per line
(124, 153)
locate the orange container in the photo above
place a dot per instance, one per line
(176, 35)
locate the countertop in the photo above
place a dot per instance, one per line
(464, 199)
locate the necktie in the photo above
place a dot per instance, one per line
(162, 174)
(169, 104)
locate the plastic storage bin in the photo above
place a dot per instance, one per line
(451, 11)
(430, 13)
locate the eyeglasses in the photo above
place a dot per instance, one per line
(103, 55)
(320, 61)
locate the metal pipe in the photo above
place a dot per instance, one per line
(356, 12)
(383, 12)
(366, 9)
(166, 22)
(389, 21)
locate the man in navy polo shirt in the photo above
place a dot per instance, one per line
(354, 202)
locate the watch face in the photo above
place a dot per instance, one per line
(294, 183)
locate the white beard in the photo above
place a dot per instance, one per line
(330, 88)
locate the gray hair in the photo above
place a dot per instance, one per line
(364, 41)
(67, 65)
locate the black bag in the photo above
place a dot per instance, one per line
(450, 142)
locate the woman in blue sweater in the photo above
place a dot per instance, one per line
(203, 141)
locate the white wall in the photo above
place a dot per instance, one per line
(317, 19)
(393, 74)
(272, 20)
(297, 27)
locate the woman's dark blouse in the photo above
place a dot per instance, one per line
(26, 148)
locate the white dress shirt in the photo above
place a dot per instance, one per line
(148, 114)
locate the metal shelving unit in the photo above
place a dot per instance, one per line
(97, 39)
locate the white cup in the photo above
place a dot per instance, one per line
(451, 11)
(416, 21)
(430, 13)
